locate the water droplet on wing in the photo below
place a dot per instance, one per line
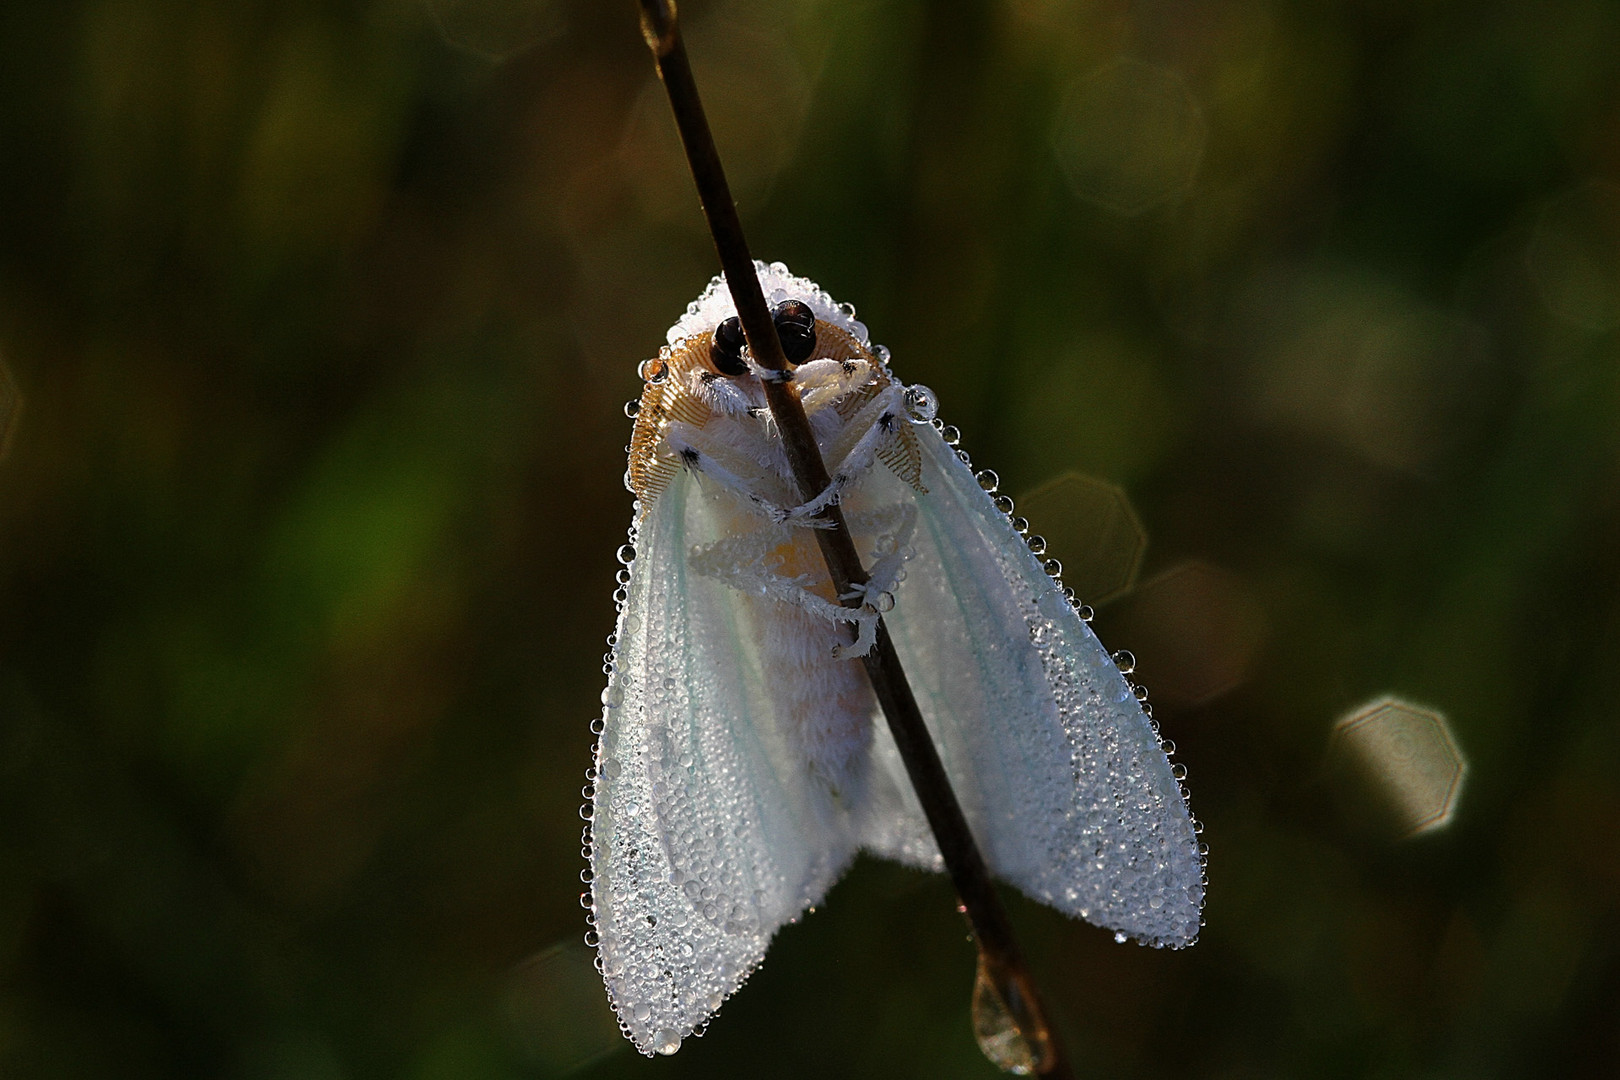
(921, 404)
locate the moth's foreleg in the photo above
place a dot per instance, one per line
(722, 395)
(723, 464)
(823, 382)
(855, 449)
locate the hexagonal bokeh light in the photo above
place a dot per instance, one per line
(10, 404)
(1574, 256)
(1130, 137)
(557, 1011)
(495, 29)
(1197, 628)
(1361, 361)
(1091, 528)
(1408, 755)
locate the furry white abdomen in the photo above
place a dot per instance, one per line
(823, 703)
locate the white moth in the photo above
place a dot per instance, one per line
(742, 761)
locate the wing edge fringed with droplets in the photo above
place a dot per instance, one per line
(668, 962)
(1086, 702)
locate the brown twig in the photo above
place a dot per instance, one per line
(998, 948)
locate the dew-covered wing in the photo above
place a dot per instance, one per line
(1058, 768)
(703, 842)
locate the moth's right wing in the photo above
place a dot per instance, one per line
(704, 839)
(1058, 769)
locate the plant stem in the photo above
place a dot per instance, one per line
(963, 860)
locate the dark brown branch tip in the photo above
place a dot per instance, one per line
(658, 28)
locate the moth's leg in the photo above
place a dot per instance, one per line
(769, 375)
(720, 394)
(739, 473)
(866, 623)
(855, 449)
(890, 553)
(822, 382)
(866, 431)
(742, 563)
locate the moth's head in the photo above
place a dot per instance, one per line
(795, 325)
(810, 323)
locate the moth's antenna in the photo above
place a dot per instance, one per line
(1001, 964)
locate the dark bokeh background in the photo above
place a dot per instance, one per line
(321, 314)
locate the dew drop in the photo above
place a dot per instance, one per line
(1021, 526)
(921, 404)
(1125, 661)
(666, 1042)
(632, 407)
(950, 434)
(1053, 567)
(988, 480)
(1004, 504)
(627, 554)
(1007, 1046)
(1120, 938)
(1037, 544)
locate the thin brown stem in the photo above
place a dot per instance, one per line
(1003, 960)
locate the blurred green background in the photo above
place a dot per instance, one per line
(317, 320)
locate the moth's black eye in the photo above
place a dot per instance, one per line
(796, 325)
(726, 351)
